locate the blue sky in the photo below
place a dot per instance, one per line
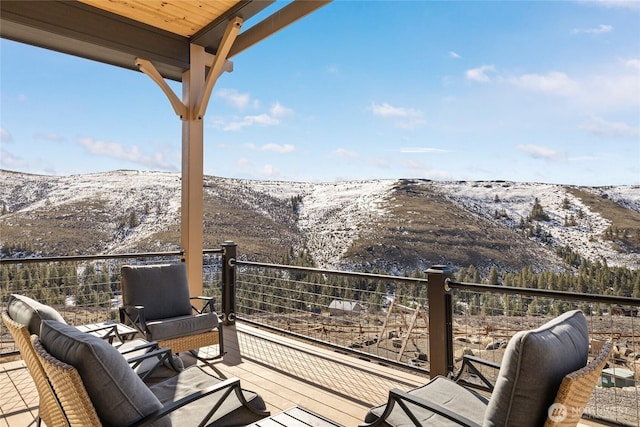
(541, 91)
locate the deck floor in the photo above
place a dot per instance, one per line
(284, 371)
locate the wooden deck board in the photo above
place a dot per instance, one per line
(287, 372)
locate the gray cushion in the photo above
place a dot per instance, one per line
(443, 392)
(533, 367)
(30, 313)
(163, 290)
(194, 379)
(117, 393)
(182, 326)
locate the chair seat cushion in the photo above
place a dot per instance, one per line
(175, 327)
(118, 395)
(30, 313)
(443, 392)
(194, 379)
(534, 364)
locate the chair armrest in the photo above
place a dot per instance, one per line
(152, 345)
(469, 366)
(401, 398)
(133, 315)
(480, 361)
(229, 386)
(105, 332)
(163, 356)
(207, 304)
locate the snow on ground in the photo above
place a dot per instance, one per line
(517, 199)
(332, 215)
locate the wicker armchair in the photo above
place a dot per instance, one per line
(144, 357)
(96, 387)
(156, 301)
(537, 365)
(49, 410)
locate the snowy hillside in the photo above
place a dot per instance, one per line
(516, 200)
(329, 218)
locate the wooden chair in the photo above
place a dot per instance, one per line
(537, 365)
(96, 387)
(156, 301)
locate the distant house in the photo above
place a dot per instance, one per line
(340, 307)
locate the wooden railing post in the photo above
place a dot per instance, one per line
(440, 321)
(229, 250)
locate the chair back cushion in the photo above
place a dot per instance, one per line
(118, 395)
(162, 290)
(534, 365)
(30, 313)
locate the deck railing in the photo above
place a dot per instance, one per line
(423, 323)
(429, 323)
(85, 289)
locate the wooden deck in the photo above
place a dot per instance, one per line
(285, 372)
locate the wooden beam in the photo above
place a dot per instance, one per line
(274, 23)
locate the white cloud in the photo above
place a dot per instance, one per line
(633, 63)
(276, 112)
(412, 118)
(552, 82)
(261, 119)
(132, 154)
(612, 91)
(422, 150)
(600, 29)
(600, 127)
(270, 171)
(279, 111)
(237, 99)
(454, 55)
(277, 148)
(5, 136)
(387, 110)
(347, 154)
(480, 74)
(539, 152)
(9, 161)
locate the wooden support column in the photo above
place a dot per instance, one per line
(197, 85)
(191, 227)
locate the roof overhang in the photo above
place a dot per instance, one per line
(119, 36)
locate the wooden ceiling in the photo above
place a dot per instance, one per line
(182, 17)
(116, 32)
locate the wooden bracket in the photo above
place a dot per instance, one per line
(148, 68)
(230, 34)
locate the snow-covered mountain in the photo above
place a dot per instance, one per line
(390, 224)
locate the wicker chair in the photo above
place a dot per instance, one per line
(537, 365)
(156, 301)
(49, 410)
(146, 358)
(95, 387)
(576, 389)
